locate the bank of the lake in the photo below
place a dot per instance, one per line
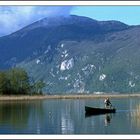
(90, 96)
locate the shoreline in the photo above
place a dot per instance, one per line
(43, 97)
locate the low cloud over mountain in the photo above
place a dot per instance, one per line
(13, 18)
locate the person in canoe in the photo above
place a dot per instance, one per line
(107, 103)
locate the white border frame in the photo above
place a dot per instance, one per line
(73, 3)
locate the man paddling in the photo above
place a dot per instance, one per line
(107, 103)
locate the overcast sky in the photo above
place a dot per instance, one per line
(13, 18)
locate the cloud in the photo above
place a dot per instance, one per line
(13, 18)
(59, 11)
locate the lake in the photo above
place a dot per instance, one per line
(59, 116)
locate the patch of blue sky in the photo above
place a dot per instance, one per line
(127, 14)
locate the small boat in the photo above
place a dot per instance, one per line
(96, 111)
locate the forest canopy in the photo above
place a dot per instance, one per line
(17, 82)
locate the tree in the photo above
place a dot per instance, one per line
(19, 81)
(38, 86)
(3, 82)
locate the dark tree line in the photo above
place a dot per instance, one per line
(17, 82)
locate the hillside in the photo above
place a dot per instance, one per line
(76, 54)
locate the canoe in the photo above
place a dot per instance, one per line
(96, 111)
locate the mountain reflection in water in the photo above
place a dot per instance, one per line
(67, 116)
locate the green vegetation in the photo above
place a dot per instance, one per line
(17, 82)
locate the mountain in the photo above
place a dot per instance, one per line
(76, 54)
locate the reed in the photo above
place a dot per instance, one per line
(90, 96)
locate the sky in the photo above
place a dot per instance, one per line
(127, 14)
(13, 18)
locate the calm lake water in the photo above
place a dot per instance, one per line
(68, 117)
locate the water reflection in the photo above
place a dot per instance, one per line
(68, 117)
(62, 116)
(108, 118)
(36, 116)
(135, 115)
(16, 115)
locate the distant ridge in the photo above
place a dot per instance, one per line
(76, 54)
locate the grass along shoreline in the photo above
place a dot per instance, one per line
(90, 96)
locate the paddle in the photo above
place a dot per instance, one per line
(111, 106)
